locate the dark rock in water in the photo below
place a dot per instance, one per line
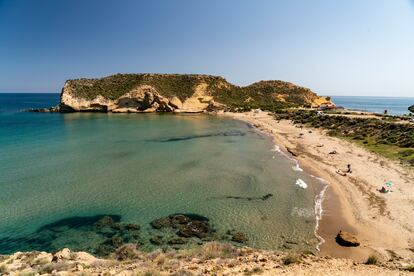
(285, 246)
(77, 222)
(118, 226)
(105, 221)
(195, 228)
(43, 110)
(188, 225)
(161, 223)
(177, 241)
(132, 226)
(157, 240)
(63, 108)
(346, 239)
(239, 237)
(195, 216)
(104, 250)
(105, 233)
(179, 219)
(265, 197)
(291, 242)
(115, 241)
(249, 198)
(411, 108)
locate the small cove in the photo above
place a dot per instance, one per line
(140, 167)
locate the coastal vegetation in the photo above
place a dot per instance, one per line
(372, 260)
(390, 138)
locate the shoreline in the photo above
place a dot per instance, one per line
(319, 197)
(350, 203)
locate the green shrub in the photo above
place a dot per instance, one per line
(290, 259)
(372, 260)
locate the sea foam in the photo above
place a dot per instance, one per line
(318, 214)
(297, 167)
(302, 184)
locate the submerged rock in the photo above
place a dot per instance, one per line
(115, 241)
(161, 223)
(105, 221)
(249, 198)
(157, 240)
(239, 237)
(199, 229)
(176, 220)
(187, 225)
(176, 241)
(132, 226)
(346, 239)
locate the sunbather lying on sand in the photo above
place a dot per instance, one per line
(341, 172)
(344, 173)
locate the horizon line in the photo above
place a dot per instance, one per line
(321, 94)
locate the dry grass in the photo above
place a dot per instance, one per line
(214, 250)
(3, 269)
(60, 266)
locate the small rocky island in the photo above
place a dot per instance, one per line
(179, 93)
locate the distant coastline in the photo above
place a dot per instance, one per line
(393, 105)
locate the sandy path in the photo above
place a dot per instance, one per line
(383, 222)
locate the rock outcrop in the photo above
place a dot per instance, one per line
(179, 93)
(346, 239)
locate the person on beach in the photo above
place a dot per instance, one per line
(341, 172)
(384, 190)
(345, 173)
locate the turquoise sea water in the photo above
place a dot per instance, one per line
(394, 105)
(142, 167)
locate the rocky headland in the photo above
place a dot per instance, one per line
(178, 93)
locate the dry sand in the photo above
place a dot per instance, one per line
(383, 223)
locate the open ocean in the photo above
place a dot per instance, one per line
(394, 105)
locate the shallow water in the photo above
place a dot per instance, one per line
(142, 167)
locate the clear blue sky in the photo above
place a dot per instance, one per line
(349, 47)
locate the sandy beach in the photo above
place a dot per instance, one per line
(383, 223)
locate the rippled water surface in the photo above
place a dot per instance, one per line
(140, 167)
